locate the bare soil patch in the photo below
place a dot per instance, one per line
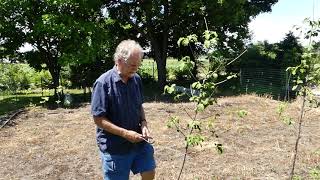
(60, 144)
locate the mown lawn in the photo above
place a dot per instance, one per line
(22, 99)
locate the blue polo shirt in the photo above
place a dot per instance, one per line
(119, 102)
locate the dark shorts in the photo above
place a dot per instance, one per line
(139, 159)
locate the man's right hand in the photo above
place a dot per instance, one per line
(133, 136)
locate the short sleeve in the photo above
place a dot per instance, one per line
(141, 89)
(99, 100)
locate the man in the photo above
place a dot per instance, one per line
(122, 131)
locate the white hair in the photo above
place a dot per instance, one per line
(125, 48)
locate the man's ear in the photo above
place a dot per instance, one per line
(119, 61)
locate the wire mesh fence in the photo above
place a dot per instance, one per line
(275, 82)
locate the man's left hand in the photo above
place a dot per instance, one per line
(145, 130)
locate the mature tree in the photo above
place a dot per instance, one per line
(290, 51)
(286, 53)
(83, 75)
(161, 22)
(262, 54)
(60, 32)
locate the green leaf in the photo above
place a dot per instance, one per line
(45, 98)
(169, 89)
(287, 120)
(179, 41)
(206, 44)
(294, 87)
(196, 85)
(215, 75)
(200, 108)
(302, 70)
(173, 121)
(192, 38)
(194, 139)
(230, 77)
(242, 113)
(185, 41)
(299, 82)
(194, 98)
(316, 66)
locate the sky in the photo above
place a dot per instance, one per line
(285, 14)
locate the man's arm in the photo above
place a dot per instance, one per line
(144, 124)
(108, 126)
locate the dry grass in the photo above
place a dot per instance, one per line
(60, 144)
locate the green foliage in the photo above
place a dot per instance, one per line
(242, 113)
(44, 100)
(315, 173)
(281, 108)
(287, 120)
(185, 41)
(289, 51)
(194, 139)
(183, 69)
(162, 23)
(169, 89)
(306, 75)
(60, 32)
(173, 121)
(202, 93)
(281, 113)
(16, 77)
(284, 54)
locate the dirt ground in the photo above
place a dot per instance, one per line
(60, 144)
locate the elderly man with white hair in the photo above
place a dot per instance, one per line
(122, 132)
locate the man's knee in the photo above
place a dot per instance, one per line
(148, 175)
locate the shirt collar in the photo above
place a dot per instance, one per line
(115, 74)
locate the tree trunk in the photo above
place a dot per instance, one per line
(160, 46)
(54, 70)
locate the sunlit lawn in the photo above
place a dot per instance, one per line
(22, 99)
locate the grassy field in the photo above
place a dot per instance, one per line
(149, 68)
(11, 102)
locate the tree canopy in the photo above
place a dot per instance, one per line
(60, 32)
(65, 32)
(160, 23)
(286, 53)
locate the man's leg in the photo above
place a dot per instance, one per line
(144, 162)
(116, 167)
(148, 175)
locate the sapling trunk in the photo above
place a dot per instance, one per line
(298, 135)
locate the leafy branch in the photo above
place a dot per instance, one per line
(201, 93)
(306, 75)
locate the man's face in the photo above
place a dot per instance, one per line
(129, 67)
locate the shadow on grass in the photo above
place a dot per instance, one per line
(10, 104)
(14, 103)
(152, 93)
